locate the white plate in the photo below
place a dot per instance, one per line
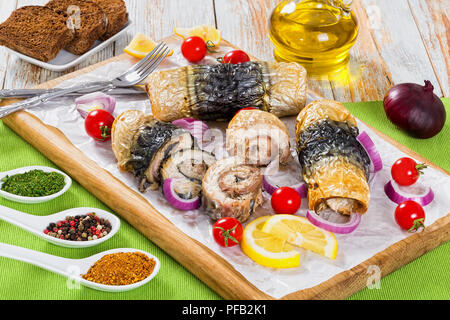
(65, 60)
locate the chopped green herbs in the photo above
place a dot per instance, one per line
(34, 183)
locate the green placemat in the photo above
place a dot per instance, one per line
(425, 278)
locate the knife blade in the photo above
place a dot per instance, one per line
(27, 93)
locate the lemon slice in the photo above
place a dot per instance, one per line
(207, 33)
(140, 46)
(298, 231)
(266, 249)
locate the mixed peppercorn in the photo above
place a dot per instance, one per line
(79, 228)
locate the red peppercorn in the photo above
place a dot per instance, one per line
(80, 228)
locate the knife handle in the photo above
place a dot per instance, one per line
(37, 100)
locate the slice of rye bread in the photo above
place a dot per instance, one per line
(89, 22)
(116, 13)
(35, 31)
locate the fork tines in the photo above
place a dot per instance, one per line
(153, 59)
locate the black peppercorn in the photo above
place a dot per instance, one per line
(79, 228)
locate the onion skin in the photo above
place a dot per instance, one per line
(415, 109)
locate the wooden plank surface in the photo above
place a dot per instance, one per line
(433, 22)
(390, 47)
(399, 41)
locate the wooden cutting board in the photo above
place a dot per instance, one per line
(194, 256)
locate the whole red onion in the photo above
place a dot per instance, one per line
(415, 108)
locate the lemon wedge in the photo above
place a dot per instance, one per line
(140, 46)
(207, 33)
(267, 250)
(298, 231)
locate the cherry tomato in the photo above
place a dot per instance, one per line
(98, 124)
(405, 171)
(227, 232)
(410, 215)
(236, 56)
(194, 49)
(285, 200)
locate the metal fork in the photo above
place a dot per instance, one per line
(132, 76)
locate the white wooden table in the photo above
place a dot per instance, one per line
(399, 41)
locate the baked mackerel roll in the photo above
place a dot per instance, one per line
(231, 188)
(335, 166)
(258, 137)
(155, 151)
(216, 92)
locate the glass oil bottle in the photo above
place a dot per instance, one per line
(315, 33)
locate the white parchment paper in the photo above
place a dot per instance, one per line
(376, 232)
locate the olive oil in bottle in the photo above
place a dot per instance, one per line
(315, 33)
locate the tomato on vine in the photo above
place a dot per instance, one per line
(405, 171)
(98, 124)
(410, 215)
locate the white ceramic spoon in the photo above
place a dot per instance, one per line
(37, 224)
(22, 199)
(74, 268)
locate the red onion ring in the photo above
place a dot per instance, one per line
(94, 100)
(315, 219)
(270, 188)
(394, 193)
(177, 202)
(374, 155)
